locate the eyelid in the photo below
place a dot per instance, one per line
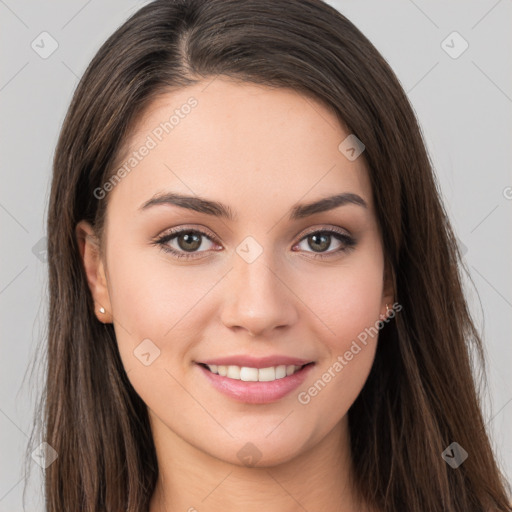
(209, 234)
(165, 236)
(316, 229)
(186, 227)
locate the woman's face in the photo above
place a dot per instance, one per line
(262, 276)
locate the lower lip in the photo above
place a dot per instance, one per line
(257, 392)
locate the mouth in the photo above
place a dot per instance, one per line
(249, 374)
(251, 385)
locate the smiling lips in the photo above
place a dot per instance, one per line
(251, 369)
(256, 362)
(248, 374)
(256, 380)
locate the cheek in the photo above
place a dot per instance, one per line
(155, 325)
(147, 294)
(348, 356)
(346, 299)
(336, 385)
(155, 300)
(347, 303)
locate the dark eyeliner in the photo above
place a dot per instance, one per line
(348, 242)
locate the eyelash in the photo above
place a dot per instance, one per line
(348, 241)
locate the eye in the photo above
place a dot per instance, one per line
(322, 240)
(184, 243)
(187, 243)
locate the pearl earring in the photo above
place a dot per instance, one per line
(102, 310)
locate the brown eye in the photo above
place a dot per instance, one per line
(189, 241)
(320, 241)
(185, 243)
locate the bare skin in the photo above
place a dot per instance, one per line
(260, 151)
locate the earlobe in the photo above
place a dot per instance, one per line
(94, 268)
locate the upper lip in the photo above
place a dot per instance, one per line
(256, 362)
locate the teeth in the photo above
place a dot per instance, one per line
(247, 374)
(266, 374)
(254, 374)
(233, 372)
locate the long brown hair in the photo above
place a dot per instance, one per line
(421, 394)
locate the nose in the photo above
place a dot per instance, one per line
(257, 298)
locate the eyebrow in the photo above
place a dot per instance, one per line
(221, 210)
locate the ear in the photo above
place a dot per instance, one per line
(388, 293)
(89, 247)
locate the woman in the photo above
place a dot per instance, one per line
(255, 290)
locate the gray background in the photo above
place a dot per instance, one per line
(463, 104)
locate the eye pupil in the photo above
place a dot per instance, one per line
(324, 244)
(189, 238)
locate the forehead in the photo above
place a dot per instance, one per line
(245, 144)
